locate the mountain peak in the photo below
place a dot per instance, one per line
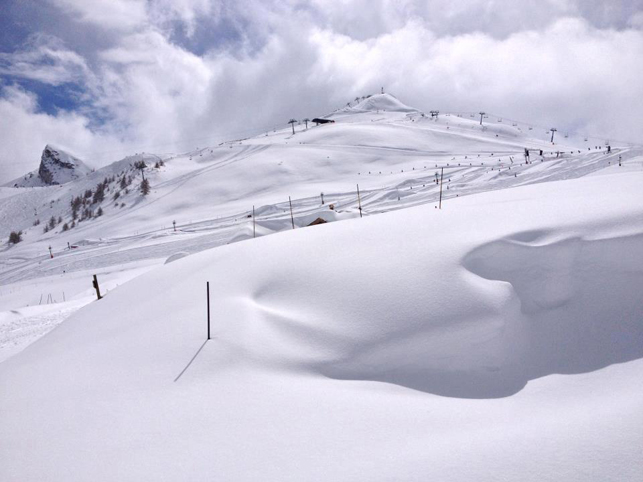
(56, 167)
(59, 167)
(385, 102)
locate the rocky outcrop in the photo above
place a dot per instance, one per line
(59, 167)
(56, 167)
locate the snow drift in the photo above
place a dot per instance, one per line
(473, 302)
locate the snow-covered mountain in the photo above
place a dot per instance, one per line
(390, 150)
(379, 102)
(474, 313)
(56, 167)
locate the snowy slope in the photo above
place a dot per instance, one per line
(385, 152)
(393, 152)
(499, 338)
(380, 102)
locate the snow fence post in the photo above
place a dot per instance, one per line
(359, 202)
(441, 176)
(96, 287)
(207, 288)
(292, 220)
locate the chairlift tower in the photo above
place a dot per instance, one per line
(482, 114)
(553, 131)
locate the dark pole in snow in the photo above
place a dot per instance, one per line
(292, 219)
(254, 227)
(51, 254)
(481, 116)
(174, 224)
(441, 176)
(553, 130)
(359, 202)
(322, 198)
(207, 286)
(96, 287)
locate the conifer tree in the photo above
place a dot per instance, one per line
(15, 237)
(145, 187)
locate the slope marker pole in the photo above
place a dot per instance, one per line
(207, 287)
(292, 219)
(441, 177)
(359, 202)
(96, 287)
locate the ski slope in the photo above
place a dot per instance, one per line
(497, 338)
(385, 348)
(394, 156)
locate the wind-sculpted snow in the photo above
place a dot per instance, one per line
(579, 297)
(319, 333)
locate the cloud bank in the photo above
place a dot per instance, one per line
(105, 79)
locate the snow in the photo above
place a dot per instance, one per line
(497, 338)
(20, 328)
(382, 102)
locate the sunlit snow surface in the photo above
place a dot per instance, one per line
(497, 338)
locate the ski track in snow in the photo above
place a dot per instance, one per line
(18, 331)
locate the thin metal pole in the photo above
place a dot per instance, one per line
(359, 202)
(254, 227)
(96, 287)
(207, 284)
(441, 176)
(292, 220)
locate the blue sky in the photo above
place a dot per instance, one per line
(107, 78)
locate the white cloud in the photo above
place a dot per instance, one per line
(45, 59)
(25, 132)
(163, 12)
(540, 61)
(121, 15)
